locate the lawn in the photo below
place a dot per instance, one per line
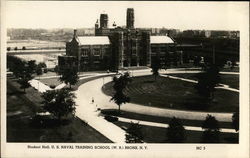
(228, 79)
(158, 119)
(175, 94)
(22, 107)
(51, 81)
(158, 135)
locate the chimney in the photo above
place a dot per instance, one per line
(75, 33)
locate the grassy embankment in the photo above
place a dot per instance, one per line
(22, 107)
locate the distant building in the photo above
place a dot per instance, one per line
(117, 47)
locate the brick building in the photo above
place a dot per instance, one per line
(116, 47)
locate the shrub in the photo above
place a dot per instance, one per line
(111, 118)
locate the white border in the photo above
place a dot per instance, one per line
(154, 150)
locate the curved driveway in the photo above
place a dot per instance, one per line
(92, 89)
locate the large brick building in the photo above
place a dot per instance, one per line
(117, 47)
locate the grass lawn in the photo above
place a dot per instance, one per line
(175, 94)
(158, 119)
(51, 81)
(231, 80)
(158, 135)
(20, 109)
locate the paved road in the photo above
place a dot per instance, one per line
(93, 90)
(221, 86)
(163, 125)
(87, 110)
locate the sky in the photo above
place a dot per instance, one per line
(83, 14)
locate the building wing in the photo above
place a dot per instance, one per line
(93, 40)
(160, 40)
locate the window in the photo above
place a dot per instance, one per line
(85, 52)
(96, 52)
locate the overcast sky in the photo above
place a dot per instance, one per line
(78, 14)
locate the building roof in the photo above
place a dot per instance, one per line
(160, 40)
(93, 40)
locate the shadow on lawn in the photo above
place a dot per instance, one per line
(39, 121)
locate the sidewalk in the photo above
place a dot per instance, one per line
(163, 125)
(222, 86)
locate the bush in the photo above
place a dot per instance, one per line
(210, 123)
(175, 132)
(45, 70)
(110, 118)
(134, 133)
(235, 121)
(52, 86)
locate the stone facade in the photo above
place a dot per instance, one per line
(126, 47)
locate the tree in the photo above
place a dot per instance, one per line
(156, 65)
(32, 66)
(210, 123)
(69, 75)
(175, 131)
(59, 102)
(23, 48)
(211, 132)
(24, 78)
(235, 121)
(207, 81)
(39, 71)
(120, 83)
(134, 134)
(24, 82)
(42, 65)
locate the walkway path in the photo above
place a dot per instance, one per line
(87, 111)
(93, 89)
(41, 87)
(222, 86)
(164, 125)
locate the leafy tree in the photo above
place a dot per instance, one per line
(23, 48)
(211, 133)
(24, 78)
(120, 83)
(155, 67)
(8, 48)
(210, 123)
(42, 65)
(69, 75)
(175, 131)
(32, 66)
(235, 121)
(15, 48)
(134, 134)
(59, 102)
(24, 82)
(39, 71)
(16, 65)
(207, 81)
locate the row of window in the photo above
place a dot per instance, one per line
(85, 52)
